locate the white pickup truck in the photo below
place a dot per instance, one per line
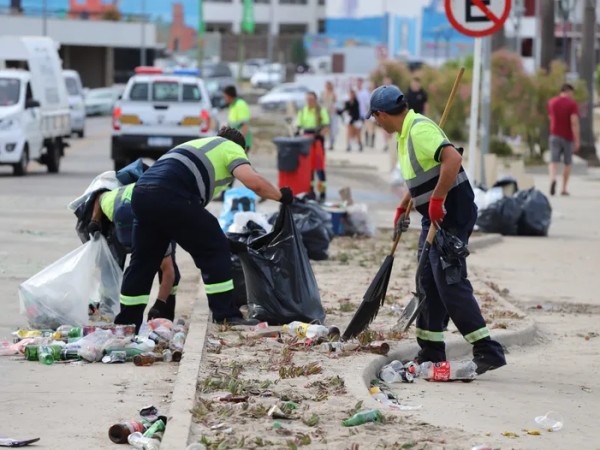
(34, 107)
(159, 111)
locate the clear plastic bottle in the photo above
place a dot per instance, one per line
(144, 330)
(137, 440)
(143, 345)
(160, 322)
(330, 347)
(90, 346)
(448, 370)
(305, 330)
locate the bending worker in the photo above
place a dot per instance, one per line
(313, 120)
(115, 206)
(169, 202)
(441, 192)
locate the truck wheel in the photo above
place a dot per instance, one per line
(20, 168)
(52, 159)
(80, 134)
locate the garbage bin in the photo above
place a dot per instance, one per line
(293, 162)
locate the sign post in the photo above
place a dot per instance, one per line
(478, 19)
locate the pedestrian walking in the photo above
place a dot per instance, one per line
(387, 137)
(313, 120)
(441, 192)
(564, 135)
(363, 95)
(370, 124)
(353, 121)
(169, 202)
(115, 207)
(416, 96)
(329, 102)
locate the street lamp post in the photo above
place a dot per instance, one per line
(565, 7)
(143, 46)
(270, 37)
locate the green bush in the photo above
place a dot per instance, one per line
(500, 147)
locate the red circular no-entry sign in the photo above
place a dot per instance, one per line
(477, 18)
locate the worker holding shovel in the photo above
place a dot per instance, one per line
(441, 192)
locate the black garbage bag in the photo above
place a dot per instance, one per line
(501, 217)
(254, 231)
(537, 213)
(315, 226)
(280, 282)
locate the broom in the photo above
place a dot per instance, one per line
(375, 295)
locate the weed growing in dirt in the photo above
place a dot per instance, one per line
(294, 371)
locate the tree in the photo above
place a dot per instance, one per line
(548, 44)
(586, 73)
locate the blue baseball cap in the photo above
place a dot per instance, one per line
(384, 99)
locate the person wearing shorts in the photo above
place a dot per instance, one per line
(564, 135)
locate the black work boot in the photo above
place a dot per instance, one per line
(131, 315)
(160, 309)
(488, 355)
(430, 355)
(236, 320)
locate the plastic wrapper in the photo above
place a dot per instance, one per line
(241, 220)
(359, 222)
(280, 282)
(105, 181)
(61, 293)
(236, 200)
(91, 347)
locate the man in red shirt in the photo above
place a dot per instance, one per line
(564, 134)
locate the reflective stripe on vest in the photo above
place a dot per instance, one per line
(196, 161)
(423, 177)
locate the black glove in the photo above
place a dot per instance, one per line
(287, 196)
(94, 229)
(237, 247)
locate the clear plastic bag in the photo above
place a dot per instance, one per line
(106, 180)
(62, 292)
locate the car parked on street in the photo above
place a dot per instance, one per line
(278, 97)
(76, 101)
(268, 76)
(159, 111)
(100, 101)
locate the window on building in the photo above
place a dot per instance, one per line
(293, 2)
(260, 1)
(293, 28)
(321, 26)
(218, 27)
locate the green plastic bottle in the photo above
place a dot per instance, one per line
(45, 355)
(373, 415)
(130, 352)
(157, 427)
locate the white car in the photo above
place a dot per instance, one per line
(76, 101)
(159, 111)
(278, 98)
(251, 66)
(100, 101)
(268, 76)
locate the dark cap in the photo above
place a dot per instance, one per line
(384, 99)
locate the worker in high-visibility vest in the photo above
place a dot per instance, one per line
(313, 120)
(441, 192)
(169, 202)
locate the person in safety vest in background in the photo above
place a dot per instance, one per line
(169, 202)
(441, 192)
(239, 114)
(115, 205)
(313, 120)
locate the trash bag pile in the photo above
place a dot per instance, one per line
(524, 213)
(280, 283)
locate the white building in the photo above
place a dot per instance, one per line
(284, 16)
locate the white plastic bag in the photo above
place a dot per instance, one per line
(106, 180)
(61, 293)
(359, 218)
(241, 219)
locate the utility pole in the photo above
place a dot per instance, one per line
(143, 46)
(517, 12)
(474, 117)
(586, 67)
(486, 88)
(271, 37)
(548, 44)
(565, 7)
(45, 17)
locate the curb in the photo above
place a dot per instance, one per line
(456, 347)
(184, 391)
(481, 242)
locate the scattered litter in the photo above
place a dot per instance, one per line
(149, 427)
(552, 421)
(196, 446)
(482, 447)
(509, 434)
(533, 432)
(586, 389)
(230, 398)
(276, 413)
(9, 442)
(360, 418)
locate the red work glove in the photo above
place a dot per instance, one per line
(436, 210)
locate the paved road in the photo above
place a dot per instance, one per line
(68, 406)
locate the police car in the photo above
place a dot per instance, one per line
(159, 111)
